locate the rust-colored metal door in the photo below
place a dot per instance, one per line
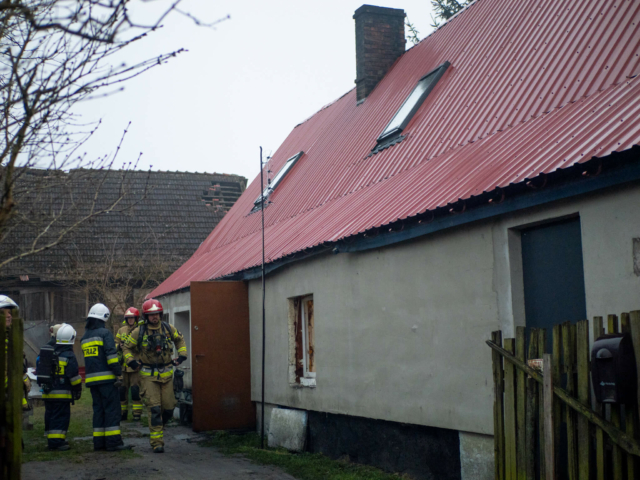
(221, 356)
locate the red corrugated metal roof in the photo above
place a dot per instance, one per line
(534, 86)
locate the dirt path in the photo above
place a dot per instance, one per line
(183, 460)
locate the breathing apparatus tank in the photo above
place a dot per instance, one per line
(47, 368)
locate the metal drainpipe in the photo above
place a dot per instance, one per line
(263, 304)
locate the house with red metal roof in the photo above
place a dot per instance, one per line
(484, 179)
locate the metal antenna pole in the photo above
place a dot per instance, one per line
(263, 295)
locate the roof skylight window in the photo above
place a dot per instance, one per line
(412, 104)
(277, 179)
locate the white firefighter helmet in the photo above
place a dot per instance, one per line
(66, 335)
(6, 302)
(99, 311)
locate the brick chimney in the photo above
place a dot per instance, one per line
(379, 42)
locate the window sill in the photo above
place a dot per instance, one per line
(308, 382)
(304, 383)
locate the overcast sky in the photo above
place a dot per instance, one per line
(243, 85)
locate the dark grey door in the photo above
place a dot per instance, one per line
(553, 275)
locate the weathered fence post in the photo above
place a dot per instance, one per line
(557, 406)
(630, 418)
(14, 417)
(510, 413)
(634, 320)
(598, 330)
(582, 362)
(568, 344)
(521, 396)
(612, 326)
(531, 411)
(542, 342)
(498, 407)
(634, 325)
(530, 429)
(548, 452)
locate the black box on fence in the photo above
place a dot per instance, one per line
(613, 369)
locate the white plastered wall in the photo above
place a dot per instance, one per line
(178, 306)
(400, 331)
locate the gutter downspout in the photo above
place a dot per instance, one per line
(263, 303)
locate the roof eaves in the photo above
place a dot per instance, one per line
(581, 179)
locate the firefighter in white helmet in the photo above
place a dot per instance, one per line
(57, 374)
(8, 306)
(102, 371)
(53, 331)
(130, 376)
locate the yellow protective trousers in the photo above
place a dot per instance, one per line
(158, 397)
(130, 380)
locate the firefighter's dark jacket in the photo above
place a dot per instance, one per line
(67, 377)
(100, 355)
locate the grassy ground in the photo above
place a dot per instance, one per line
(303, 466)
(35, 443)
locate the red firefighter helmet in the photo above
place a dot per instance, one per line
(131, 312)
(151, 306)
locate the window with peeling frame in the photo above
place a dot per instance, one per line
(302, 345)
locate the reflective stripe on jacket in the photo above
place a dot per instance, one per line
(162, 372)
(57, 395)
(100, 357)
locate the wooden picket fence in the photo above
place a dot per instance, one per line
(11, 399)
(547, 425)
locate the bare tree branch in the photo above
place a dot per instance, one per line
(54, 54)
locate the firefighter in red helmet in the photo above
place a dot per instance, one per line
(130, 376)
(153, 341)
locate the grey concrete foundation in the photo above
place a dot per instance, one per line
(476, 456)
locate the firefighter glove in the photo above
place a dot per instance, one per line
(133, 364)
(179, 360)
(118, 382)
